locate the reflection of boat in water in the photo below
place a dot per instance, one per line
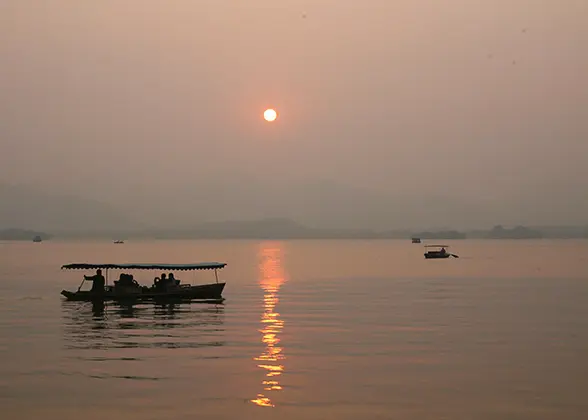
(126, 288)
(272, 277)
(100, 325)
(439, 251)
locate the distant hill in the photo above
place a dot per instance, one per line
(283, 228)
(269, 228)
(442, 234)
(22, 235)
(330, 204)
(274, 228)
(518, 232)
(564, 232)
(324, 210)
(37, 210)
(320, 204)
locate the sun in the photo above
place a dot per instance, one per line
(270, 115)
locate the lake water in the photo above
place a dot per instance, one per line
(309, 330)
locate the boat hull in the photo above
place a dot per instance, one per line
(206, 292)
(433, 255)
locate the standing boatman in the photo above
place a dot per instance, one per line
(98, 281)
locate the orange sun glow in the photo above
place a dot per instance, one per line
(270, 115)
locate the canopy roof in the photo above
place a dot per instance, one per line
(436, 246)
(170, 267)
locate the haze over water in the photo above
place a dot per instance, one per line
(392, 114)
(310, 329)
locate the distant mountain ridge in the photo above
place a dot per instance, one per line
(16, 234)
(284, 229)
(324, 204)
(36, 210)
(319, 210)
(332, 205)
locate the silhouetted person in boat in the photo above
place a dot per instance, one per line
(122, 279)
(172, 280)
(98, 282)
(159, 283)
(126, 280)
(443, 251)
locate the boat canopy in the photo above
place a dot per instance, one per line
(170, 267)
(436, 246)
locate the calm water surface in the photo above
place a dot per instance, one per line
(310, 329)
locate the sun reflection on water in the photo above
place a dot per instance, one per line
(271, 278)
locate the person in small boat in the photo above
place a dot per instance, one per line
(122, 280)
(126, 280)
(443, 251)
(172, 280)
(159, 282)
(98, 282)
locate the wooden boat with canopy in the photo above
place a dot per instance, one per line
(127, 288)
(438, 251)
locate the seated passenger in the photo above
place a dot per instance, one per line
(126, 280)
(172, 280)
(160, 283)
(120, 281)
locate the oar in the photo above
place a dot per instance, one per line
(81, 284)
(455, 256)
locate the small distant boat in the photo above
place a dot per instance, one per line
(439, 252)
(119, 241)
(37, 239)
(126, 288)
(416, 240)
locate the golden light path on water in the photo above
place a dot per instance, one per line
(271, 278)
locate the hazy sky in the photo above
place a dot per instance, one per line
(480, 99)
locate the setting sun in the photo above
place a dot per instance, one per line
(270, 115)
